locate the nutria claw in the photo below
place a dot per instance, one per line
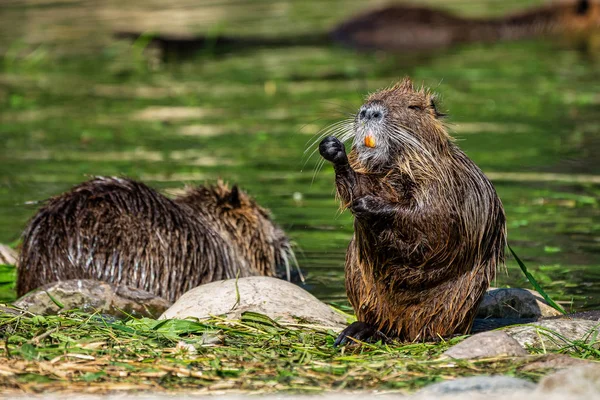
(333, 150)
(360, 331)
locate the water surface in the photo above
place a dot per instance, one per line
(76, 103)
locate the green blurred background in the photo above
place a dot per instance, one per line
(75, 102)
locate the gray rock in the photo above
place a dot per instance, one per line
(91, 295)
(556, 362)
(276, 298)
(573, 381)
(10, 310)
(7, 255)
(497, 384)
(514, 303)
(486, 345)
(553, 333)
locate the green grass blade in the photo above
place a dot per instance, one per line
(55, 300)
(534, 283)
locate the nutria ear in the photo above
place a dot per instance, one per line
(234, 197)
(583, 6)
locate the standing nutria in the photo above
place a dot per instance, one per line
(429, 229)
(122, 231)
(402, 27)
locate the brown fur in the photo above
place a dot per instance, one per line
(121, 231)
(420, 270)
(405, 27)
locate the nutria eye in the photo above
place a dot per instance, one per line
(376, 115)
(415, 107)
(435, 111)
(362, 114)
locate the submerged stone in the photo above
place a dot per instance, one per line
(7, 255)
(92, 295)
(280, 300)
(515, 303)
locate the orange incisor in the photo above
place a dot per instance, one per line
(370, 141)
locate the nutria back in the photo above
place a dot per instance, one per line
(406, 27)
(429, 229)
(122, 231)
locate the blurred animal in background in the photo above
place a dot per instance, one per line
(122, 231)
(401, 27)
(408, 27)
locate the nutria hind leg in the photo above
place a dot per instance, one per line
(360, 331)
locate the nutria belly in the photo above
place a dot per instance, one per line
(415, 313)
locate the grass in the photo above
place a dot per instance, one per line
(83, 352)
(60, 109)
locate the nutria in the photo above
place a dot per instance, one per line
(122, 231)
(406, 27)
(401, 27)
(429, 229)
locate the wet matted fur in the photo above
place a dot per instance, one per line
(429, 229)
(122, 231)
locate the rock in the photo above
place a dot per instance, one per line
(486, 345)
(554, 333)
(10, 310)
(7, 255)
(572, 382)
(555, 361)
(473, 385)
(514, 303)
(91, 295)
(591, 315)
(276, 298)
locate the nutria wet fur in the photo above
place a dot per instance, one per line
(122, 231)
(405, 27)
(429, 229)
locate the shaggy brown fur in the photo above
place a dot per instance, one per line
(401, 27)
(429, 229)
(121, 231)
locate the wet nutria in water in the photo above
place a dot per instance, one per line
(401, 27)
(406, 27)
(122, 231)
(429, 229)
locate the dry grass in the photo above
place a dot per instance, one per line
(91, 353)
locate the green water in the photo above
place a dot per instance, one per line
(75, 103)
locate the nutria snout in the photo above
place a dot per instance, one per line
(429, 229)
(122, 231)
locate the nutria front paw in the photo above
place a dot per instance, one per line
(360, 331)
(368, 205)
(333, 150)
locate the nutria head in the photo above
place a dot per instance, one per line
(579, 16)
(248, 225)
(566, 16)
(395, 123)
